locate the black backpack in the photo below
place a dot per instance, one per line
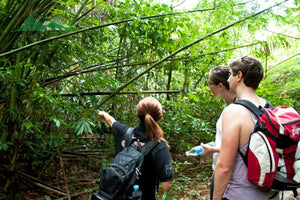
(118, 178)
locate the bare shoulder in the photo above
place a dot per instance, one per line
(236, 121)
(236, 114)
(235, 111)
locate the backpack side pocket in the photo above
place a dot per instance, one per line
(114, 177)
(262, 160)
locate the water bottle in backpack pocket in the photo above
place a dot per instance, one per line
(136, 193)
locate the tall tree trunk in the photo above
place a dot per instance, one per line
(170, 78)
(185, 87)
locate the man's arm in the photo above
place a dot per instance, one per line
(230, 143)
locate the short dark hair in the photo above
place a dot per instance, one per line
(251, 69)
(220, 74)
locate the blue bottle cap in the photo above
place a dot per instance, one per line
(136, 187)
(199, 150)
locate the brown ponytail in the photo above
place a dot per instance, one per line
(149, 111)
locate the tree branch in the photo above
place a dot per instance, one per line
(284, 35)
(284, 61)
(42, 184)
(125, 92)
(84, 14)
(96, 27)
(96, 67)
(183, 48)
(79, 11)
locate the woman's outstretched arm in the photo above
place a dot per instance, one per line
(108, 118)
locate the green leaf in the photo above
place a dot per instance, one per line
(57, 122)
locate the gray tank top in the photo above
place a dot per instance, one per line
(239, 187)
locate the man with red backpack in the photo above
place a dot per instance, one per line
(238, 122)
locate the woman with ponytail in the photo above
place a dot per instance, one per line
(157, 165)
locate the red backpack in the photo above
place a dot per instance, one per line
(273, 154)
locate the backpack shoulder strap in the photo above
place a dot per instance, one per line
(128, 136)
(248, 104)
(148, 147)
(244, 157)
(255, 110)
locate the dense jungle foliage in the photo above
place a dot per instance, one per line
(61, 61)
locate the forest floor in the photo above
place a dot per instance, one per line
(75, 174)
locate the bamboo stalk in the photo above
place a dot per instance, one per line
(79, 11)
(183, 48)
(97, 27)
(12, 23)
(296, 38)
(64, 174)
(125, 92)
(41, 183)
(96, 67)
(84, 14)
(297, 54)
